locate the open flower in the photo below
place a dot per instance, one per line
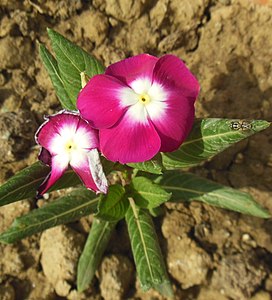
(141, 105)
(67, 139)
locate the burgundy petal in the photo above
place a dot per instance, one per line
(99, 101)
(176, 122)
(59, 165)
(130, 142)
(132, 68)
(51, 128)
(172, 73)
(45, 156)
(90, 172)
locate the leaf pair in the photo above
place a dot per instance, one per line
(114, 205)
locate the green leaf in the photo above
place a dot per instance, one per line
(72, 61)
(148, 194)
(94, 248)
(26, 182)
(67, 209)
(153, 166)
(189, 187)
(146, 251)
(113, 205)
(53, 70)
(208, 138)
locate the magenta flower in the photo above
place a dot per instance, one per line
(141, 105)
(67, 139)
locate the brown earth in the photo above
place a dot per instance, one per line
(211, 253)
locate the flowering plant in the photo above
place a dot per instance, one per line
(128, 134)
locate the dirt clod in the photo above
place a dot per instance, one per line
(7, 292)
(16, 134)
(187, 263)
(238, 275)
(60, 250)
(115, 275)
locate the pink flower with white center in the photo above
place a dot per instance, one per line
(67, 139)
(141, 105)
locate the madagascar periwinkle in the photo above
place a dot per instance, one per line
(144, 103)
(129, 135)
(67, 139)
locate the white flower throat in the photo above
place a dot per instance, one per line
(144, 99)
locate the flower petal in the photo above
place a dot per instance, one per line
(132, 68)
(175, 122)
(45, 156)
(90, 171)
(171, 72)
(59, 164)
(130, 141)
(54, 124)
(99, 101)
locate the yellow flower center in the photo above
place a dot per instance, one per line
(70, 145)
(144, 98)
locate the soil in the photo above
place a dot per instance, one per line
(210, 253)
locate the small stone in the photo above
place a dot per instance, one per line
(187, 263)
(17, 131)
(97, 33)
(235, 272)
(7, 292)
(262, 295)
(115, 275)
(60, 251)
(14, 52)
(268, 283)
(125, 10)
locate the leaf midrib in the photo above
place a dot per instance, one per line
(54, 68)
(26, 185)
(48, 220)
(208, 137)
(95, 249)
(135, 213)
(195, 191)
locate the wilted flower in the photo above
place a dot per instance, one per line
(67, 139)
(141, 105)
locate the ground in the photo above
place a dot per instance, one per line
(210, 253)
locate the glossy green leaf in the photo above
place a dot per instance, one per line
(189, 187)
(153, 166)
(113, 205)
(208, 138)
(72, 61)
(148, 194)
(94, 248)
(53, 70)
(146, 251)
(26, 182)
(68, 208)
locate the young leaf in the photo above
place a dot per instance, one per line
(69, 208)
(146, 251)
(25, 183)
(94, 248)
(53, 70)
(148, 194)
(113, 205)
(209, 137)
(153, 166)
(189, 187)
(72, 61)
